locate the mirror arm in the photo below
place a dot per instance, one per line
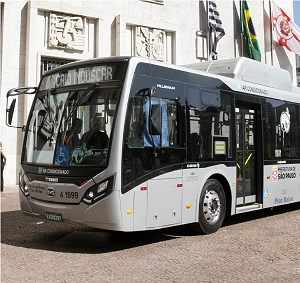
(10, 110)
(21, 90)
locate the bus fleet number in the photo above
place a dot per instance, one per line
(69, 195)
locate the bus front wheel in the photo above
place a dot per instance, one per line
(212, 208)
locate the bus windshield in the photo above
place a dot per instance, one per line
(71, 127)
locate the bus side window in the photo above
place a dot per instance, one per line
(173, 123)
(209, 124)
(281, 140)
(160, 122)
(134, 129)
(152, 139)
(194, 106)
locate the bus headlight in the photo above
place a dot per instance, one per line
(98, 191)
(22, 185)
(102, 187)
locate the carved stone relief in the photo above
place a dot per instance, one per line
(66, 32)
(150, 43)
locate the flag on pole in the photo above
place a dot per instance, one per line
(252, 45)
(216, 31)
(285, 31)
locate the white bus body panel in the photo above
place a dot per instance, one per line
(106, 213)
(140, 207)
(164, 202)
(279, 184)
(193, 182)
(170, 199)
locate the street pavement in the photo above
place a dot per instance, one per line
(255, 247)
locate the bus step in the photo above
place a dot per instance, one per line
(247, 208)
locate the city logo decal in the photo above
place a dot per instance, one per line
(79, 153)
(50, 192)
(192, 177)
(283, 172)
(285, 121)
(274, 174)
(239, 86)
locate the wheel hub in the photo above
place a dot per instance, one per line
(211, 206)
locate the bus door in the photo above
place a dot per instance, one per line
(249, 154)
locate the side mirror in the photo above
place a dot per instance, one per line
(11, 109)
(155, 120)
(152, 90)
(147, 91)
(10, 112)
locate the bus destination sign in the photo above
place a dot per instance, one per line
(84, 75)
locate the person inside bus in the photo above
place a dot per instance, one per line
(195, 147)
(136, 135)
(94, 138)
(71, 137)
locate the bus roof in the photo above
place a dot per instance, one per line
(239, 69)
(248, 70)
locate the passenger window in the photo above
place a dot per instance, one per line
(281, 129)
(165, 117)
(153, 123)
(151, 135)
(209, 122)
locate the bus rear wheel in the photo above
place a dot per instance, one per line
(212, 208)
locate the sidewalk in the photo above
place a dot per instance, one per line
(9, 189)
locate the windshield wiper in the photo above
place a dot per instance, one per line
(48, 107)
(51, 118)
(80, 100)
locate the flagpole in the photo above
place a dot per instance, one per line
(208, 33)
(271, 31)
(242, 28)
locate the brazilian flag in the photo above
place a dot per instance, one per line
(252, 45)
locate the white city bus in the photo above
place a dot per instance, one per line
(130, 144)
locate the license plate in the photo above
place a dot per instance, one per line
(54, 216)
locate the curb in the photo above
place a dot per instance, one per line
(10, 189)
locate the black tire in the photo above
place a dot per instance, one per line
(212, 208)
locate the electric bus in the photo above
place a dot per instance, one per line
(131, 144)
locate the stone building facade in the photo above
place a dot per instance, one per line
(298, 69)
(39, 35)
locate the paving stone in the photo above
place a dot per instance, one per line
(255, 247)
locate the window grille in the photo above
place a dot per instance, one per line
(51, 63)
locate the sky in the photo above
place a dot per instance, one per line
(297, 13)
